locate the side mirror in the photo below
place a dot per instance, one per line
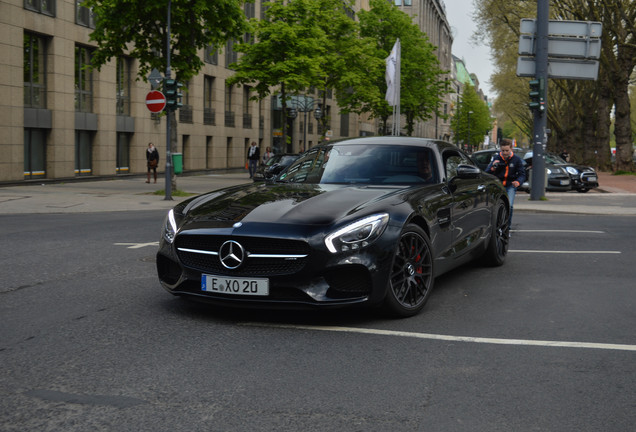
(468, 172)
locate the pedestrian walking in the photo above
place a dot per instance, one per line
(152, 160)
(509, 168)
(253, 156)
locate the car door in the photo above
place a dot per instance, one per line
(470, 214)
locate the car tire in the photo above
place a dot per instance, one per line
(411, 279)
(582, 190)
(497, 250)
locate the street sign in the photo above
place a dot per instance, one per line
(560, 68)
(155, 79)
(571, 29)
(573, 49)
(562, 47)
(155, 101)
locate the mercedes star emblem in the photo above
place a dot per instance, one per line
(231, 254)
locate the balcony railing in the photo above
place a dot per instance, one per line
(229, 119)
(247, 121)
(185, 114)
(209, 116)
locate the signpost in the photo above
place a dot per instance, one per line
(553, 49)
(155, 101)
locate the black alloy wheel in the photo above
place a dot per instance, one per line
(497, 250)
(411, 280)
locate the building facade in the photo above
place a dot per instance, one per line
(60, 120)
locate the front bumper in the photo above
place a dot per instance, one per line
(320, 279)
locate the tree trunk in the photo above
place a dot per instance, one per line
(622, 124)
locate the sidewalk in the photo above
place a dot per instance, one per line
(616, 195)
(126, 194)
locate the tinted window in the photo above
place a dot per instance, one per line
(364, 164)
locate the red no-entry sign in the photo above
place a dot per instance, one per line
(155, 101)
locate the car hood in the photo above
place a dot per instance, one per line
(283, 204)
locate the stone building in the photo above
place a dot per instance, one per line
(59, 120)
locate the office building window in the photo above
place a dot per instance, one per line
(46, 7)
(208, 100)
(123, 153)
(123, 86)
(84, 16)
(231, 56)
(344, 125)
(229, 114)
(34, 71)
(211, 55)
(34, 153)
(185, 112)
(83, 153)
(83, 80)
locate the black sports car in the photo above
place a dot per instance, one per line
(364, 221)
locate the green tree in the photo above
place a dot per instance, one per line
(582, 127)
(287, 52)
(138, 29)
(422, 85)
(348, 57)
(471, 121)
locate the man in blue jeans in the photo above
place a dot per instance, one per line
(509, 168)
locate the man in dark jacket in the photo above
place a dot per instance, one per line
(509, 168)
(253, 156)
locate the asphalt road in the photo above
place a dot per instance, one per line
(89, 341)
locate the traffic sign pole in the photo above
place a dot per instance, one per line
(539, 135)
(169, 115)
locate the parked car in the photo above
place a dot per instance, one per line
(274, 166)
(483, 157)
(582, 178)
(557, 178)
(352, 222)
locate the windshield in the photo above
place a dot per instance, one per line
(364, 164)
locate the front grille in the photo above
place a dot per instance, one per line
(265, 267)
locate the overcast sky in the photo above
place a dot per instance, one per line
(476, 57)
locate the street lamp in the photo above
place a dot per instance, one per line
(305, 104)
(469, 145)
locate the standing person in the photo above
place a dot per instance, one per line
(267, 155)
(253, 156)
(509, 168)
(152, 159)
(565, 155)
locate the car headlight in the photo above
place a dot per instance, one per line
(169, 227)
(358, 234)
(572, 170)
(548, 170)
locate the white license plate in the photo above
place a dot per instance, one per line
(565, 182)
(592, 179)
(235, 286)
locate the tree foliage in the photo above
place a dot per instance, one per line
(422, 86)
(287, 52)
(472, 118)
(579, 112)
(137, 28)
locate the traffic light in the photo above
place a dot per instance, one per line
(172, 90)
(537, 95)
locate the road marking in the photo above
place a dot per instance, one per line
(565, 252)
(519, 342)
(137, 245)
(559, 231)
